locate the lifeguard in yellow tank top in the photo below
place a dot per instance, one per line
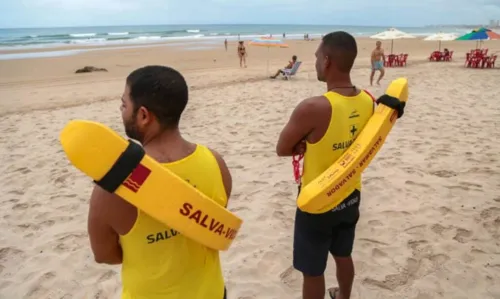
(349, 116)
(160, 263)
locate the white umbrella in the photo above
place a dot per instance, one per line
(392, 34)
(441, 37)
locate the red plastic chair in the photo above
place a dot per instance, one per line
(402, 59)
(389, 62)
(449, 57)
(490, 63)
(435, 56)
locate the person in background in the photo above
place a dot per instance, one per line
(157, 261)
(446, 53)
(288, 66)
(377, 62)
(242, 54)
(225, 44)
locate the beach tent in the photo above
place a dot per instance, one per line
(392, 34)
(268, 42)
(441, 37)
(480, 35)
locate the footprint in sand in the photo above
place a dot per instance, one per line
(438, 228)
(487, 213)
(462, 235)
(413, 244)
(17, 192)
(13, 200)
(239, 209)
(20, 206)
(412, 183)
(444, 210)
(288, 277)
(377, 253)
(493, 227)
(106, 276)
(375, 223)
(390, 282)
(443, 173)
(10, 253)
(61, 179)
(47, 223)
(460, 187)
(23, 170)
(469, 184)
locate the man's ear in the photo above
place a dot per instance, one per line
(327, 62)
(144, 116)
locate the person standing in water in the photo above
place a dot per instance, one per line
(377, 61)
(322, 128)
(157, 261)
(242, 54)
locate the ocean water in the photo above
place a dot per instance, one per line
(120, 35)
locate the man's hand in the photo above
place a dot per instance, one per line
(300, 148)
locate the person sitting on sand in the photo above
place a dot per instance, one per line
(242, 53)
(336, 117)
(377, 60)
(287, 67)
(157, 261)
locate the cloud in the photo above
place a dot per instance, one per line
(15, 13)
(82, 5)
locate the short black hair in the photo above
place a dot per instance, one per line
(160, 89)
(294, 57)
(343, 49)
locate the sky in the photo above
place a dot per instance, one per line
(68, 13)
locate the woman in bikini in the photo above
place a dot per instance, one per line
(242, 53)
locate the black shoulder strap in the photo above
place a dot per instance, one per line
(393, 103)
(122, 168)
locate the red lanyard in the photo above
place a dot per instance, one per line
(296, 167)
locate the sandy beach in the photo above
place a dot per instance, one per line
(430, 212)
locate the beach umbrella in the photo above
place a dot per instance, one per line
(480, 35)
(392, 34)
(441, 37)
(268, 42)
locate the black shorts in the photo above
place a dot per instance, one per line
(317, 234)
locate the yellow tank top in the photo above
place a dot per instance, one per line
(349, 116)
(159, 262)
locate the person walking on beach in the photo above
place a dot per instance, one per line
(157, 261)
(242, 54)
(225, 44)
(334, 118)
(377, 61)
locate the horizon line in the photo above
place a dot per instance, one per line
(243, 24)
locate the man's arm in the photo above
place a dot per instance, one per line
(296, 130)
(104, 240)
(227, 180)
(373, 57)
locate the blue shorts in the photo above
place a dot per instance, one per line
(378, 65)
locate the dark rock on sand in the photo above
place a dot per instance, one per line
(90, 69)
